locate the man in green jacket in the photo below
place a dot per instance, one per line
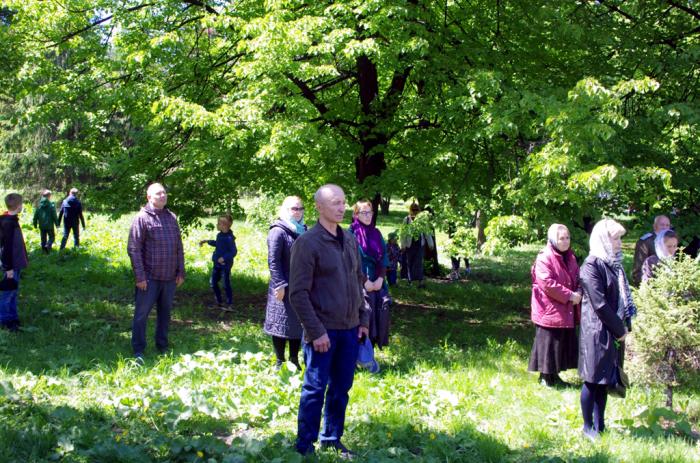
(46, 219)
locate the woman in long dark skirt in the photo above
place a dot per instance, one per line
(281, 321)
(554, 307)
(375, 260)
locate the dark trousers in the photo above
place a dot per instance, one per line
(221, 271)
(48, 236)
(391, 276)
(594, 397)
(66, 231)
(8, 302)
(279, 344)
(161, 294)
(335, 371)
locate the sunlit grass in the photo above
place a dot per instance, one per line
(453, 385)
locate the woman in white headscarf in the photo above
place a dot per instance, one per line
(605, 320)
(554, 307)
(665, 247)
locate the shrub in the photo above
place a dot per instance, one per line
(503, 232)
(665, 344)
(463, 243)
(422, 224)
(263, 210)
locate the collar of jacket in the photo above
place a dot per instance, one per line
(154, 211)
(325, 234)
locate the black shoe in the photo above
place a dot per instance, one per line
(338, 446)
(12, 326)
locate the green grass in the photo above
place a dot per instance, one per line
(453, 386)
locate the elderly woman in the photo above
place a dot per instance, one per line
(375, 261)
(605, 314)
(554, 307)
(281, 321)
(665, 247)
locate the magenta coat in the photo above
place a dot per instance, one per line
(553, 281)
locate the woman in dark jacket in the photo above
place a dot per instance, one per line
(605, 314)
(375, 261)
(281, 321)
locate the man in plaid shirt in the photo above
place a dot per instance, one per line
(158, 261)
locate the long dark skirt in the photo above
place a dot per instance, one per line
(380, 318)
(554, 350)
(414, 261)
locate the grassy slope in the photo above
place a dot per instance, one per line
(453, 387)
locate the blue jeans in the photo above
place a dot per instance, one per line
(336, 370)
(66, 231)
(160, 293)
(8, 303)
(48, 236)
(219, 271)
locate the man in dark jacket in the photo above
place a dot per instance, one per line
(46, 220)
(326, 292)
(71, 212)
(158, 262)
(645, 247)
(14, 259)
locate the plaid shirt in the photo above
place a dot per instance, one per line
(155, 245)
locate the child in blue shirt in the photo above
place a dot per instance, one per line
(224, 252)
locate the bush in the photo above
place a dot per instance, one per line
(504, 232)
(463, 243)
(263, 210)
(665, 344)
(422, 224)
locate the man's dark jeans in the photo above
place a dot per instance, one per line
(48, 236)
(219, 271)
(76, 234)
(335, 369)
(160, 293)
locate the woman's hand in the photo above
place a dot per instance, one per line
(575, 298)
(279, 293)
(622, 338)
(369, 286)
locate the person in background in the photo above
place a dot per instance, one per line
(645, 247)
(224, 252)
(158, 261)
(45, 219)
(374, 262)
(72, 215)
(665, 247)
(281, 321)
(394, 253)
(554, 307)
(606, 315)
(14, 259)
(414, 248)
(326, 292)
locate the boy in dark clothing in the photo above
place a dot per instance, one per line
(224, 252)
(72, 213)
(46, 220)
(14, 259)
(394, 252)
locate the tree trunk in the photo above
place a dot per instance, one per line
(479, 220)
(384, 204)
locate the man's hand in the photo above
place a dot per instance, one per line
(322, 344)
(179, 281)
(378, 283)
(622, 338)
(10, 274)
(362, 331)
(369, 286)
(142, 285)
(279, 293)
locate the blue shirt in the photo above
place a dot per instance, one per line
(224, 246)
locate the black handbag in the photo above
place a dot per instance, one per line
(8, 284)
(621, 380)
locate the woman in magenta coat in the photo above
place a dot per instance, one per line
(555, 307)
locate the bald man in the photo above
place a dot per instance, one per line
(645, 247)
(326, 291)
(158, 262)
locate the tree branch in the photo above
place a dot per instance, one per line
(199, 3)
(690, 11)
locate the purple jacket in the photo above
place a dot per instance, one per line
(553, 281)
(155, 245)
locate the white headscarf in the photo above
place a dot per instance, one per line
(660, 246)
(553, 233)
(601, 242)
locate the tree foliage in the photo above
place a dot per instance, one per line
(556, 112)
